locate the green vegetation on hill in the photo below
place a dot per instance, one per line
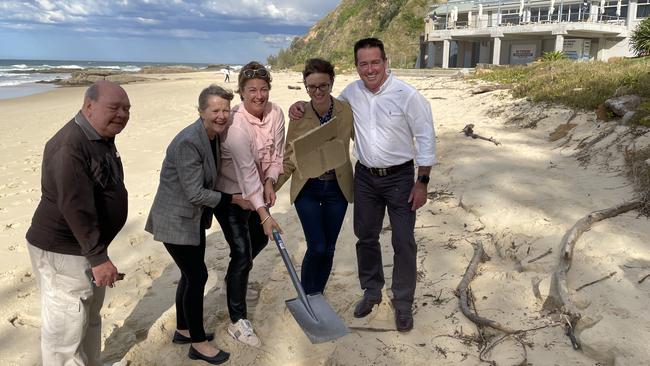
(398, 23)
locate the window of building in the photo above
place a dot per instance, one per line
(643, 9)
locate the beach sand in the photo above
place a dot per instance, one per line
(518, 199)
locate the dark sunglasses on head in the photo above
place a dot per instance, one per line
(251, 73)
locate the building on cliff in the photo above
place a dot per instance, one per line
(463, 33)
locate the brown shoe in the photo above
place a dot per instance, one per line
(403, 320)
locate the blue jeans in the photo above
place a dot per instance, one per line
(321, 208)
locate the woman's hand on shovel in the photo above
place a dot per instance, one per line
(268, 222)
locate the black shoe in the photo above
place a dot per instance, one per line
(217, 359)
(403, 320)
(181, 339)
(364, 306)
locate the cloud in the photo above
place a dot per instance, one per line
(223, 30)
(169, 13)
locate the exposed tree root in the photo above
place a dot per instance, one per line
(463, 292)
(559, 296)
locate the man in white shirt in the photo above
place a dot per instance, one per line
(389, 115)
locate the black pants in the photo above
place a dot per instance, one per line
(189, 293)
(372, 195)
(246, 238)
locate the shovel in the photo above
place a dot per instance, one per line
(314, 315)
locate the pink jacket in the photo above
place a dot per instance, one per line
(251, 151)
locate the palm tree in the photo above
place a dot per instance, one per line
(641, 38)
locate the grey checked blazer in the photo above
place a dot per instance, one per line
(186, 193)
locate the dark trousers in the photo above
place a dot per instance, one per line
(372, 195)
(189, 293)
(246, 238)
(321, 208)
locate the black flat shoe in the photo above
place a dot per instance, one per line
(217, 359)
(364, 306)
(181, 339)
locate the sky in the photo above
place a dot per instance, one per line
(209, 31)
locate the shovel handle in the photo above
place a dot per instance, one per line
(292, 272)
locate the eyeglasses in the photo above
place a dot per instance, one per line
(323, 88)
(251, 73)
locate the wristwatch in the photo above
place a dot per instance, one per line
(423, 179)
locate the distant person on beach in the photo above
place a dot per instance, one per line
(182, 211)
(226, 73)
(252, 148)
(83, 206)
(388, 115)
(320, 202)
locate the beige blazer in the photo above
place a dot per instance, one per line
(309, 121)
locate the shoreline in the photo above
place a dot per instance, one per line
(24, 90)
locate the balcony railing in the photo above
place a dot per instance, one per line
(513, 19)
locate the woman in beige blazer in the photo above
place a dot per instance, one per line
(321, 202)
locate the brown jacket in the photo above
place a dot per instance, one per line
(309, 121)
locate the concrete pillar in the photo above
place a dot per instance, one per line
(559, 42)
(460, 59)
(431, 55)
(445, 54)
(600, 55)
(496, 51)
(631, 13)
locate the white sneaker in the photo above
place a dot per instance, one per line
(243, 332)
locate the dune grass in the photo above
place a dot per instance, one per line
(582, 85)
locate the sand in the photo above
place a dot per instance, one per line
(518, 199)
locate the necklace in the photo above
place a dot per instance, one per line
(327, 116)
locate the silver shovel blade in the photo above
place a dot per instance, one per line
(322, 324)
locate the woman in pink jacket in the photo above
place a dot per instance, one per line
(252, 153)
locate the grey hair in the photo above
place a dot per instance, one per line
(211, 90)
(92, 92)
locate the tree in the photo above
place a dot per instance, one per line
(641, 38)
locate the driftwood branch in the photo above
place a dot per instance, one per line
(549, 251)
(595, 282)
(643, 278)
(559, 295)
(463, 292)
(584, 224)
(469, 132)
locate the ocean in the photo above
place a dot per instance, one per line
(25, 77)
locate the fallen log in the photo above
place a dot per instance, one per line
(489, 88)
(463, 293)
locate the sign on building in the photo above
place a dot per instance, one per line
(577, 49)
(522, 53)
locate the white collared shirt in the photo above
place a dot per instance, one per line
(386, 124)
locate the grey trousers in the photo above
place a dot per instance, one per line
(70, 305)
(372, 195)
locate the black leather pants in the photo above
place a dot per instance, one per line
(245, 236)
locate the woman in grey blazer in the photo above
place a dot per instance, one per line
(182, 210)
